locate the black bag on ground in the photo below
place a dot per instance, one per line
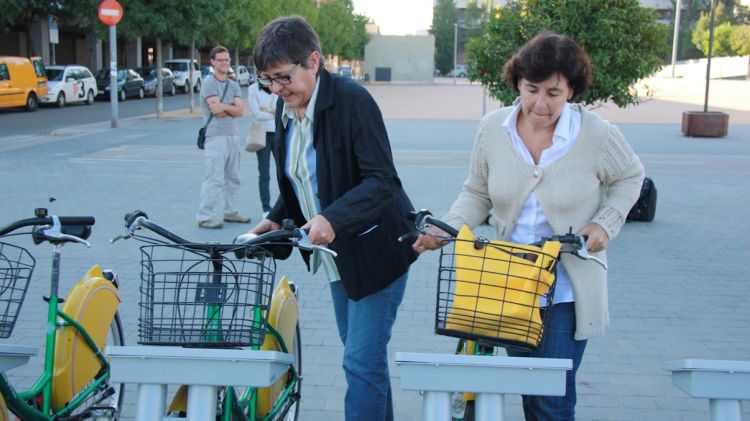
(202, 137)
(645, 208)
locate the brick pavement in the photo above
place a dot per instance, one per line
(677, 287)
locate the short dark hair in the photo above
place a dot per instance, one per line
(546, 55)
(288, 39)
(218, 49)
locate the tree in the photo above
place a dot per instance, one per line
(335, 17)
(623, 40)
(444, 17)
(728, 31)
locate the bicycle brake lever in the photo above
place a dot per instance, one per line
(582, 253)
(119, 237)
(304, 243)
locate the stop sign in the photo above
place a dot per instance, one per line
(110, 12)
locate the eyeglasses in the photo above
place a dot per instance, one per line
(281, 80)
(222, 60)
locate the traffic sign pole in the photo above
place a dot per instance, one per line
(110, 13)
(113, 73)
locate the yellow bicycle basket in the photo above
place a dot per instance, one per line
(491, 290)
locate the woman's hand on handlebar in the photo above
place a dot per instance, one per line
(433, 240)
(597, 237)
(265, 226)
(320, 231)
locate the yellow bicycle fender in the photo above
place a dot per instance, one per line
(4, 413)
(92, 302)
(179, 402)
(283, 316)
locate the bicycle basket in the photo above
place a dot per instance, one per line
(492, 291)
(203, 299)
(16, 266)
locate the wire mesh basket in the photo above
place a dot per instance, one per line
(203, 299)
(494, 291)
(16, 266)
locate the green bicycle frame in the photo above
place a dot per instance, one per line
(245, 406)
(17, 402)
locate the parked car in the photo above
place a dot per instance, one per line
(242, 75)
(129, 83)
(149, 80)
(71, 83)
(206, 71)
(179, 68)
(22, 82)
(345, 71)
(461, 70)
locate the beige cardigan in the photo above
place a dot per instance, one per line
(598, 180)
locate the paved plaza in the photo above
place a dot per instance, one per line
(677, 287)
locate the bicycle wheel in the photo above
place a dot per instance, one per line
(107, 400)
(93, 304)
(295, 349)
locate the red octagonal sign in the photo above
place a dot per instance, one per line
(110, 12)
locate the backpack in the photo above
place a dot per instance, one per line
(645, 208)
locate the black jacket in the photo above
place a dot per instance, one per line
(358, 187)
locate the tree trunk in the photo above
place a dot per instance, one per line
(159, 80)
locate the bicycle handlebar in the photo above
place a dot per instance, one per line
(574, 244)
(295, 236)
(55, 229)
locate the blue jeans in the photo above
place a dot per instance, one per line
(558, 342)
(365, 329)
(264, 176)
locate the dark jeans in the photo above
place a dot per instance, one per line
(264, 172)
(558, 342)
(365, 329)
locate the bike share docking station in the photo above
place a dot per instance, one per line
(12, 356)
(202, 370)
(489, 377)
(724, 383)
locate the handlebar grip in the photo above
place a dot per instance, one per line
(132, 216)
(77, 220)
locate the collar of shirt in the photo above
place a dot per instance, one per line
(566, 132)
(290, 114)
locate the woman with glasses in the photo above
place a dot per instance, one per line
(337, 178)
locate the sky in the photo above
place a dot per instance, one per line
(397, 17)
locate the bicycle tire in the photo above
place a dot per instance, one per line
(91, 302)
(115, 337)
(293, 413)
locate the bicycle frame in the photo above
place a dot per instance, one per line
(57, 320)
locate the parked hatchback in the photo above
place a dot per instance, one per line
(181, 71)
(70, 83)
(129, 83)
(242, 75)
(149, 80)
(22, 82)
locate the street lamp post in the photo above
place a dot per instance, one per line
(455, 50)
(676, 36)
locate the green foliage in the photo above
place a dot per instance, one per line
(235, 24)
(623, 40)
(726, 24)
(740, 40)
(444, 18)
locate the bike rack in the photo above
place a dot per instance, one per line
(490, 377)
(724, 383)
(12, 356)
(202, 370)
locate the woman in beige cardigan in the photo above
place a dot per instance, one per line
(541, 166)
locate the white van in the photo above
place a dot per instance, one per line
(179, 67)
